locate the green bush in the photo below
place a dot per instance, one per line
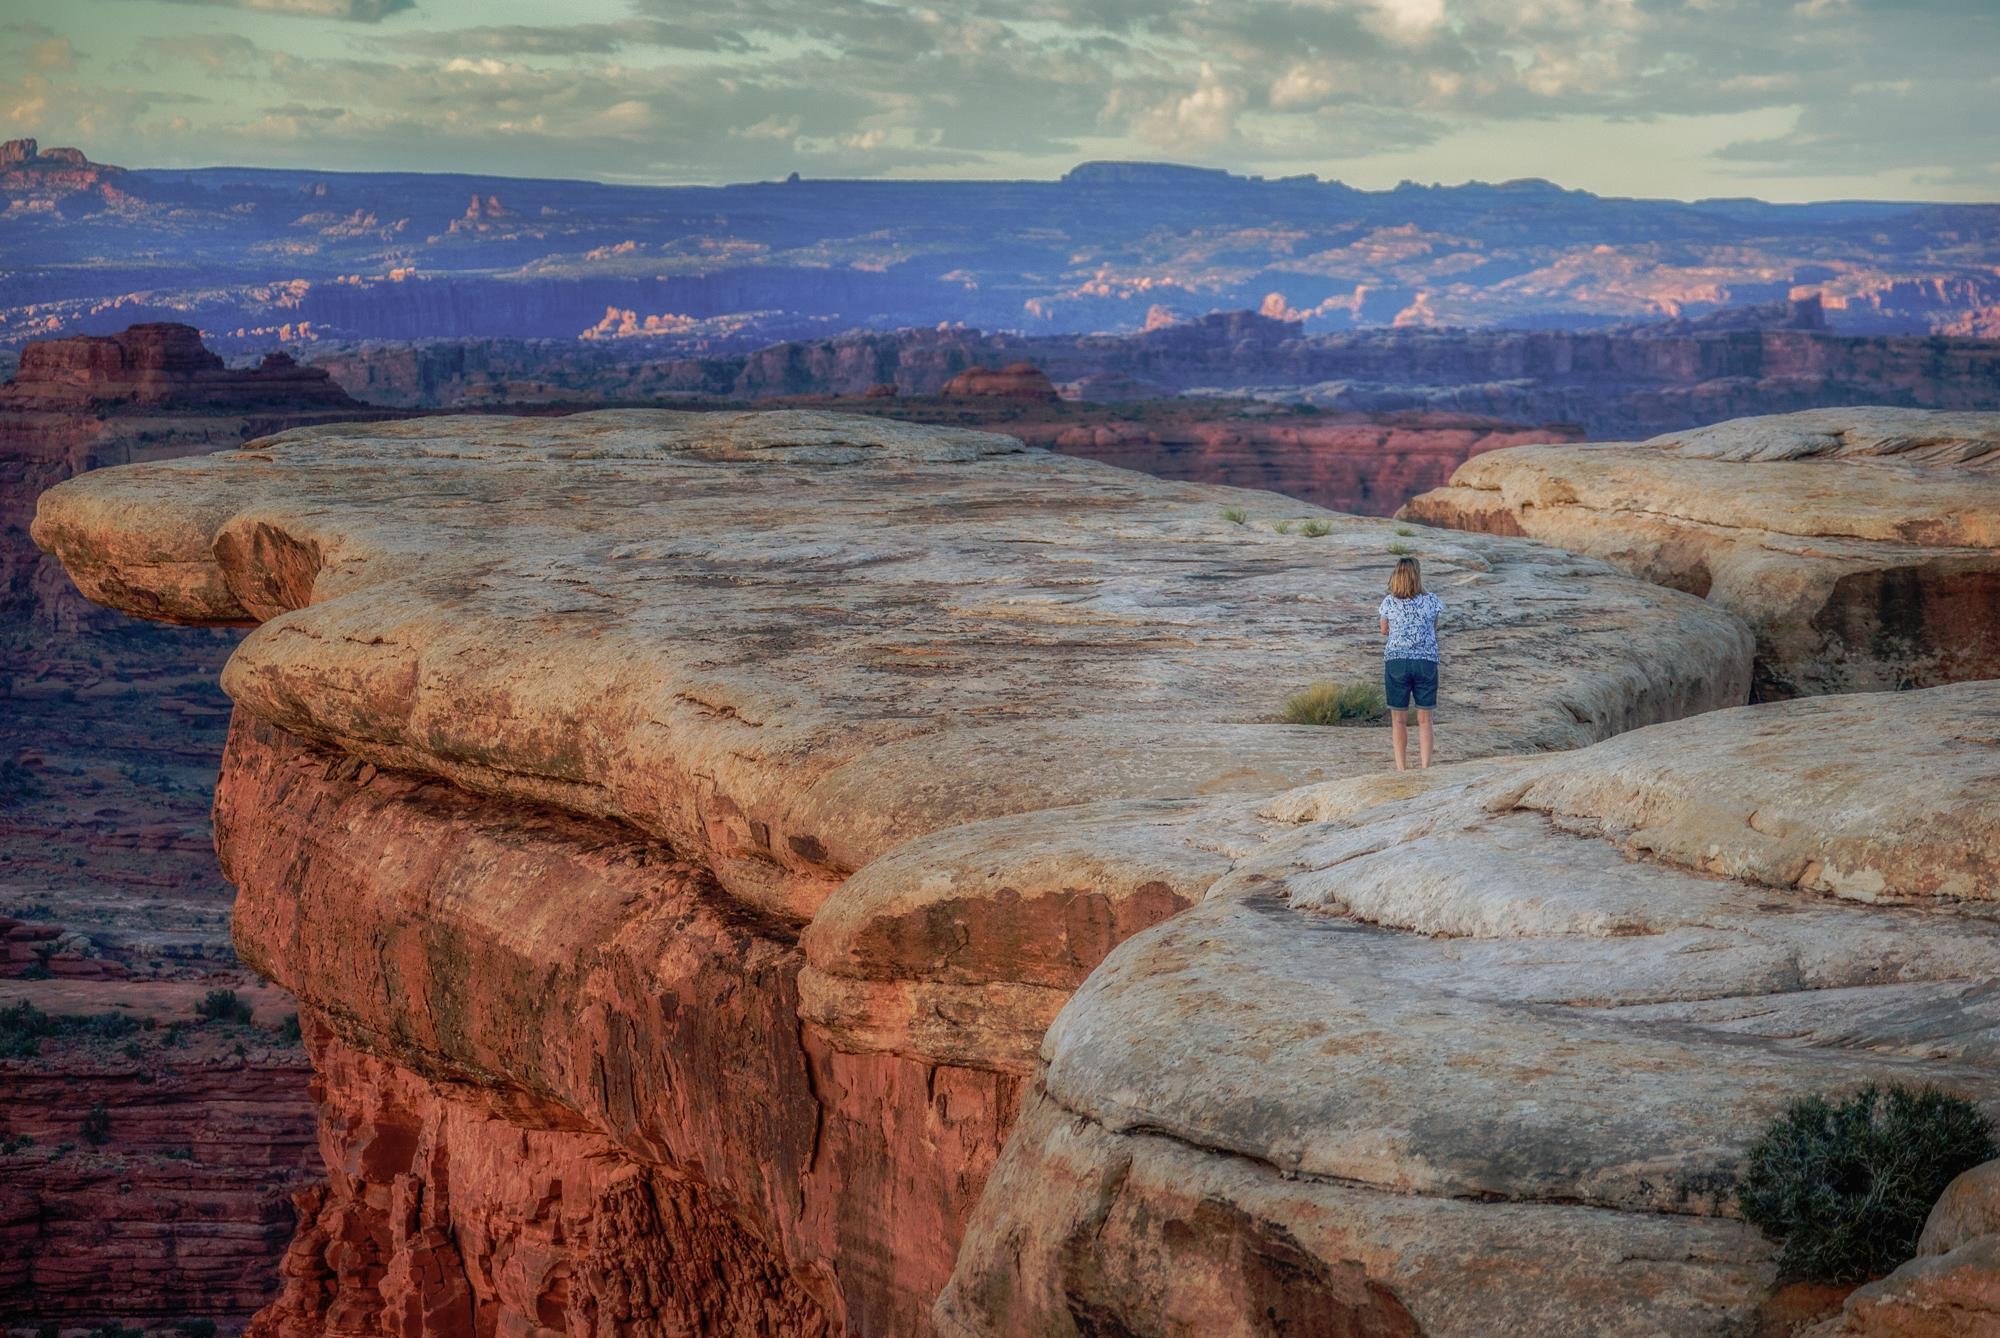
(1845, 1186)
(222, 1006)
(21, 1030)
(1351, 703)
(96, 1125)
(1235, 515)
(1282, 527)
(1316, 529)
(16, 782)
(1401, 549)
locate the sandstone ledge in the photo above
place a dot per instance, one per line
(1501, 1036)
(1862, 545)
(557, 735)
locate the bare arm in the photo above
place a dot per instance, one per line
(1385, 627)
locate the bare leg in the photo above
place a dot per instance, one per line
(1399, 738)
(1423, 739)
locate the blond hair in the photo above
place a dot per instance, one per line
(1407, 581)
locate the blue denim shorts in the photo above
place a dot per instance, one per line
(1404, 679)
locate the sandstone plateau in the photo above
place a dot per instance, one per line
(681, 829)
(1862, 545)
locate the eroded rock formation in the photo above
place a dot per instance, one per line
(1015, 381)
(681, 829)
(1862, 545)
(1480, 1051)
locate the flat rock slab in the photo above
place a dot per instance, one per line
(1862, 545)
(1550, 1000)
(785, 642)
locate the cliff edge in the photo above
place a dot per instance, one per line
(681, 829)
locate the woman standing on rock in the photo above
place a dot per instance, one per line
(1410, 658)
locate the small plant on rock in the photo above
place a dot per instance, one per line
(96, 1125)
(1405, 531)
(1282, 527)
(1352, 703)
(1316, 529)
(1846, 1185)
(1235, 515)
(1402, 549)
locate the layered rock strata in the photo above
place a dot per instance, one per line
(681, 829)
(1481, 1052)
(113, 912)
(1862, 545)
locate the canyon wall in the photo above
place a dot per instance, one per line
(113, 912)
(680, 830)
(1862, 545)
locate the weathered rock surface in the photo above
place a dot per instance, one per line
(1492, 1042)
(712, 811)
(1862, 545)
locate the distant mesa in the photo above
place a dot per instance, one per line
(161, 366)
(28, 171)
(1144, 174)
(1016, 381)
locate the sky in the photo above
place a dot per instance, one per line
(1781, 99)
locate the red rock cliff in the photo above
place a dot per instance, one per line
(680, 830)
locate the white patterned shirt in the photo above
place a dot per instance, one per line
(1412, 627)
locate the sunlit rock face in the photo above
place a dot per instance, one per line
(1862, 545)
(1481, 1052)
(680, 829)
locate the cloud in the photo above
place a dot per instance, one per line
(1846, 90)
(348, 11)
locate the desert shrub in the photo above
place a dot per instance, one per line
(1401, 549)
(288, 1030)
(1316, 529)
(22, 1028)
(96, 1125)
(1282, 527)
(16, 782)
(196, 1328)
(1405, 531)
(1350, 703)
(1845, 1186)
(1235, 515)
(222, 1006)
